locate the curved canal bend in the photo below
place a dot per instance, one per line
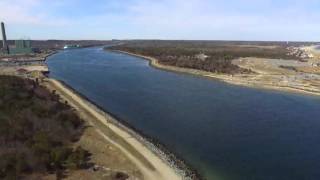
(232, 132)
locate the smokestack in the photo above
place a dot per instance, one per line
(4, 39)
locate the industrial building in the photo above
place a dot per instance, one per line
(20, 47)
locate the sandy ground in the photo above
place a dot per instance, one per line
(10, 64)
(313, 50)
(303, 78)
(146, 163)
(267, 75)
(13, 70)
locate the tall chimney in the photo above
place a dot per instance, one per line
(4, 39)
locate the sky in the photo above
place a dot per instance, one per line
(268, 20)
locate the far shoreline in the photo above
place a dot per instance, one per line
(153, 62)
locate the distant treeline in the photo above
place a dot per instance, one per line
(220, 53)
(36, 131)
(211, 43)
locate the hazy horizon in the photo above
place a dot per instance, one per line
(235, 20)
(222, 40)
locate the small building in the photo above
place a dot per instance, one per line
(201, 56)
(71, 46)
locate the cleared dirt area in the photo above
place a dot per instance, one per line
(282, 73)
(16, 70)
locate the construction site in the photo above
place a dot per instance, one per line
(21, 58)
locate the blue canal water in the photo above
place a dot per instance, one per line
(224, 131)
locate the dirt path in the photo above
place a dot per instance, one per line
(151, 165)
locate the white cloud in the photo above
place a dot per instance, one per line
(26, 13)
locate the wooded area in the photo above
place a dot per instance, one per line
(219, 54)
(36, 131)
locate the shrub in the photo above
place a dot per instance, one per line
(78, 158)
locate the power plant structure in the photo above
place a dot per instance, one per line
(4, 39)
(21, 46)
